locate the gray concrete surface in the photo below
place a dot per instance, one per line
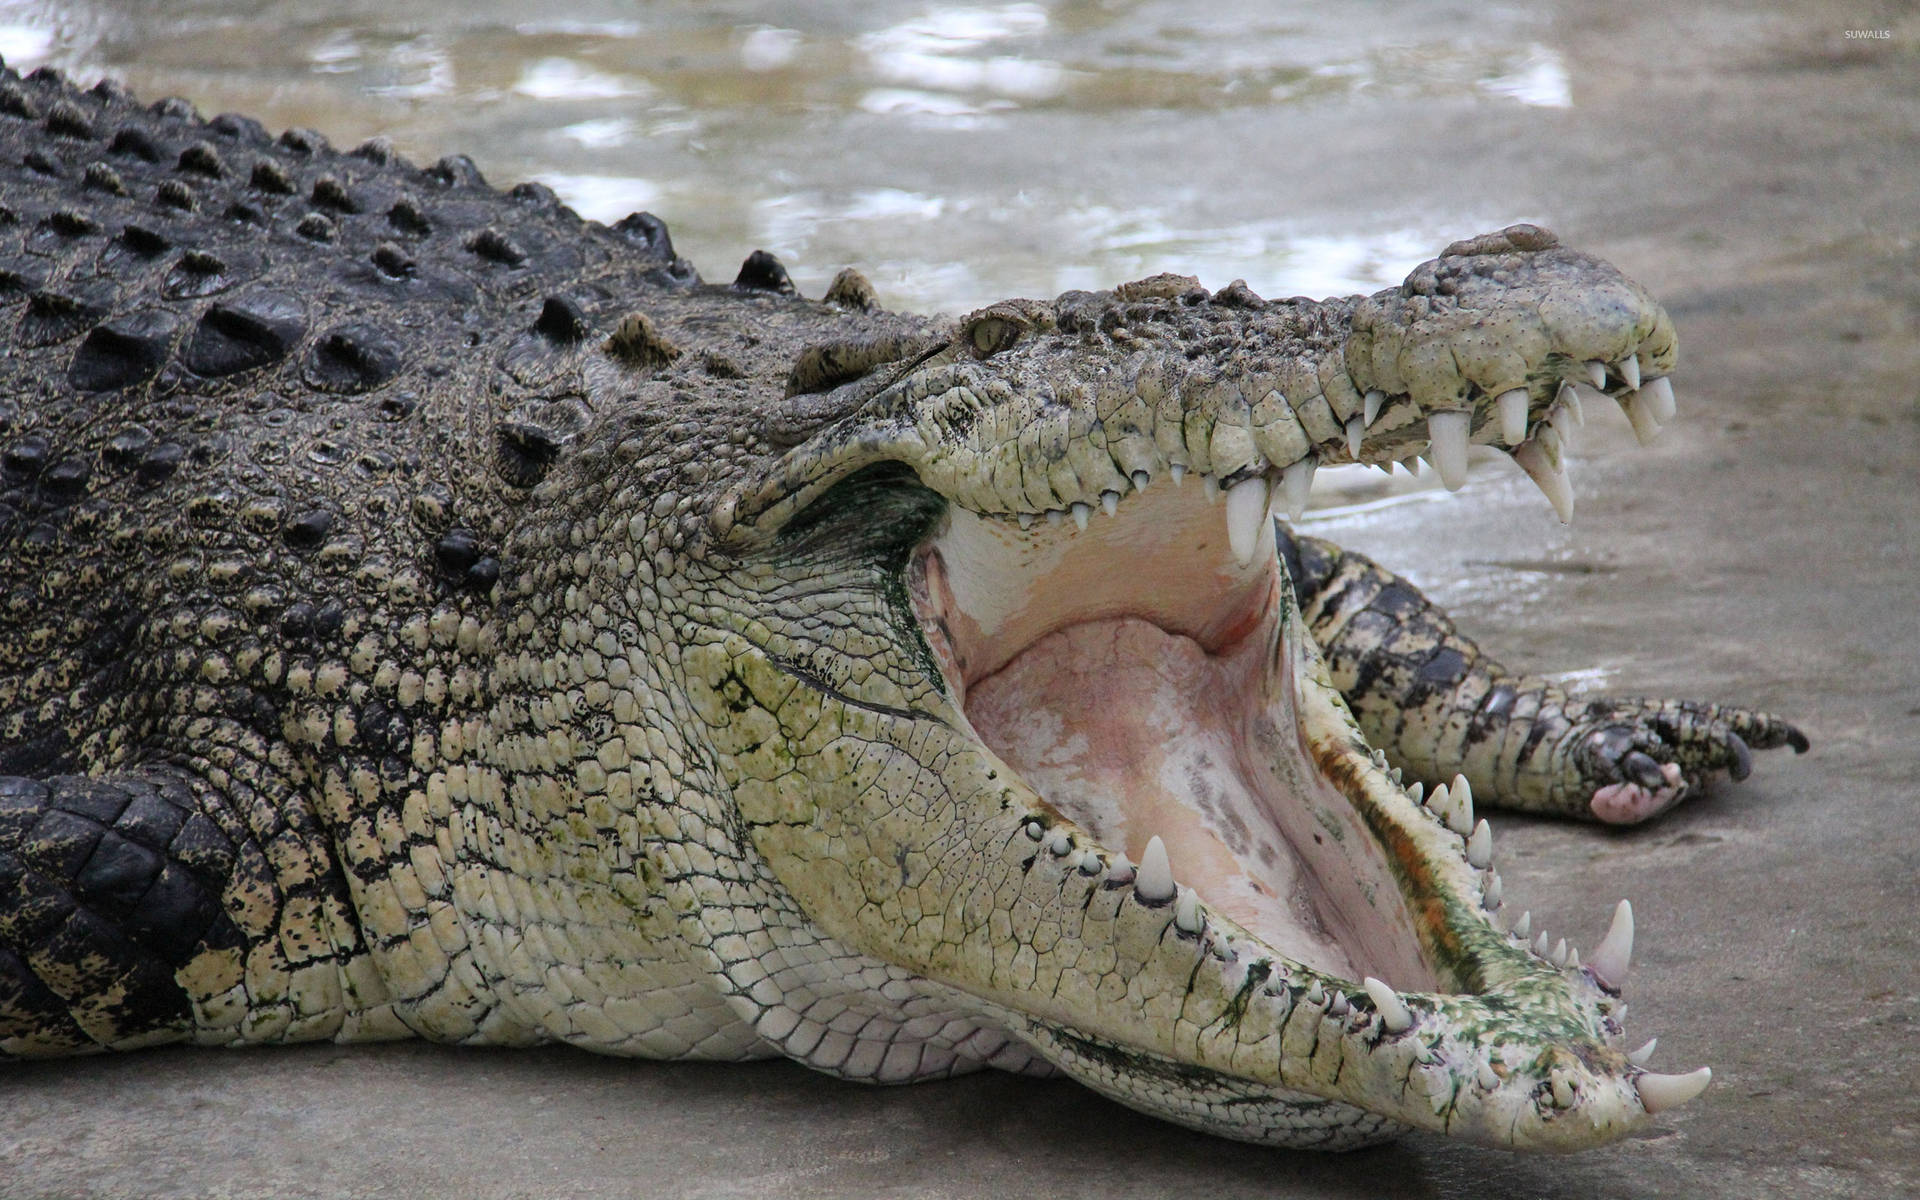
(1757, 169)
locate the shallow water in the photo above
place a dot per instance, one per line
(956, 153)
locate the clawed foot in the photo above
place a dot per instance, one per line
(1641, 757)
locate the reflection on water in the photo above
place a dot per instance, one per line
(958, 153)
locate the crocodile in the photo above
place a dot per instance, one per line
(426, 613)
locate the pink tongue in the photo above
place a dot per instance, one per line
(1131, 732)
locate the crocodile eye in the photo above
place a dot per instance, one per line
(991, 335)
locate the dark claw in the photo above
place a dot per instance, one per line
(1742, 764)
(1642, 770)
(1797, 740)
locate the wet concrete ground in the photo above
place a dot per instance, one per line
(1758, 170)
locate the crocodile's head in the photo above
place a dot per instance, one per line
(1026, 710)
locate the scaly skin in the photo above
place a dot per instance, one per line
(425, 613)
(1428, 697)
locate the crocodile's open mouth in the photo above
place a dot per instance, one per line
(1136, 675)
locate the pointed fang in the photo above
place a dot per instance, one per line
(1630, 371)
(1644, 1055)
(1610, 959)
(1080, 514)
(1246, 509)
(1597, 374)
(1211, 486)
(1570, 396)
(1370, 406)
(1296, 483)
(1658, 1093)
(1480, 847)
(1550, 479)
(1513, 415)
(1658, 396)
(1448, 433)
(1524, 925)
(1109, 502)
(1356, 433)
(1178, 471)
(1186, 912)
(1460, 820)
(1392, 1009)
(1640, 416)
(1153, 878)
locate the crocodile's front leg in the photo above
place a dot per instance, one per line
(1437, 706)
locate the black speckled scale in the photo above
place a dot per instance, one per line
(262, 402)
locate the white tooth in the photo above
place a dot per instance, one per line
(1661, 1092)
(1461, 822)
(1246, 509)
(1551, 480)
(1562, 1090)
(1610, 959)
(1524, 925)
(1080, 514)
(1597, 374)
(1439, 803)
(1296, 482)
(1630, 371)
(1153, 879)
(1356, 433)
(1392, 1009)
(1448, 432)
(1490, 895)
(1178, 471)
(1123, 870)
(1644, 1054)
(1480, 846)
(1540, 946)
(1140, 480)
(1488, 1079)
(1658, 394)
(1412, 464)
(1338, 1006)
(1033, 830)
(1059, 843)
(1415, 792)
(1316, 995)
(1573, 958)
(1570, 396)
(1186, 911)
(1211, 486)
(1558, 955)
(1640, 416)
(1370, 404)
(1055, 516)
(1109, 502)
(1561, 424)
(1550, 445)
(1026, 520)
(1513, 415)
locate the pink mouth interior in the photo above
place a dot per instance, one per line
(1134, 676)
